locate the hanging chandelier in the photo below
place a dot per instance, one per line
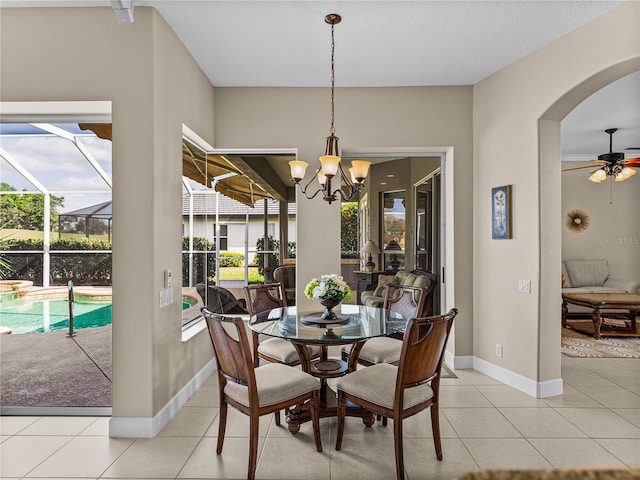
(331, 166)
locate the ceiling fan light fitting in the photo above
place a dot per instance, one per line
(598, 176)
(624, 174)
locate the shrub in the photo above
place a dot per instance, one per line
(81, 268)
(231, 259)
(258, 258)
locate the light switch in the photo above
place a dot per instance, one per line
(524, 286)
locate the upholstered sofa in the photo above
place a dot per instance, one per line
(415, 278)
(591, 276)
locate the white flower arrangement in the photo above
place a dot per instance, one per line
(328, 286)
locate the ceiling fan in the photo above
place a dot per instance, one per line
(613, 164)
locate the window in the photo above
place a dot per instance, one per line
(393, 230)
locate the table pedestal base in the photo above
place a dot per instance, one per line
(328, 408)
(325, 368)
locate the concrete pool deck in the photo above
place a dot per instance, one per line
(44, 371)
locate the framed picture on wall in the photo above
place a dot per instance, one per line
(501, 212)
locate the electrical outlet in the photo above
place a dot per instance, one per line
(524, 286)
(498, 350)
(168, 280)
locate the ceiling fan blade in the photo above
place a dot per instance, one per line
(631, 162)
(578, 168)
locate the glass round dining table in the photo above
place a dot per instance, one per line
(354, 325)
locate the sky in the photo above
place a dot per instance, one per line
(56, 163)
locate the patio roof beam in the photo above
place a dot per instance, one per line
(260, 172)
(47, 127)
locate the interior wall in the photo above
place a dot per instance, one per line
(511, 147)
(154, 87)
(427, 119)
(614, 230)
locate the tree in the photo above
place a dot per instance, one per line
(349, 227)
(25, 211)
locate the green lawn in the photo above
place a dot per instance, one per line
(237, 273)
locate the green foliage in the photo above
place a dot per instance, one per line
(349, 227)
(291, 250)
(204, 260)
(258, 258)
(231, 259)
(81, 268)
(26, 210)
(5, 244)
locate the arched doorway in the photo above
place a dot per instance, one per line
(550, 183)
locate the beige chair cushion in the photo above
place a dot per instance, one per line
(283, 350)
(379, 350)
(275, 383)
(377, 384)
(383, 281)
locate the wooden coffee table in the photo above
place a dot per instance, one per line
(606, 303)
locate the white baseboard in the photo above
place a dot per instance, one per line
(56, 411)
(549, 388)
(129, 427)
(459, 362)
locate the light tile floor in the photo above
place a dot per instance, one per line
(484, 424)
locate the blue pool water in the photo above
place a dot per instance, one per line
(32, 316)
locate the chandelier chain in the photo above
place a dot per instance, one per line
(332, 130)
(347, 184)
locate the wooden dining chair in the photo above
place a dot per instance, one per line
(255, 391)
(406, 301)
(262, 298)
(398, 392)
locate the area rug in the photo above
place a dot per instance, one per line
(576, 344)
(446, 372)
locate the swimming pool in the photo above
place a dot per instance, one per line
(48, 315)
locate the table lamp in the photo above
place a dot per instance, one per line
(370, 248)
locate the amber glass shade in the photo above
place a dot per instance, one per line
(298, 169)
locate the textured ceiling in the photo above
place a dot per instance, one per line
(391, 43)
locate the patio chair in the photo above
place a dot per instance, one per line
(255, 391)
(221, 300)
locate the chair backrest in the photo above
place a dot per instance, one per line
(407, 301)
(423, 350)
(427, 309)
(231, 348)
(285, 274)
(260, 297)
